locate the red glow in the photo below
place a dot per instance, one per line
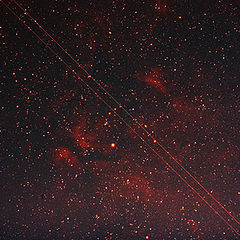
(83, 139)
(155, 78)
(64, 156)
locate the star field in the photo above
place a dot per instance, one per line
(103, 106)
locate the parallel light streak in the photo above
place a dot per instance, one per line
(135, 120)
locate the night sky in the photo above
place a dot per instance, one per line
(95, 139)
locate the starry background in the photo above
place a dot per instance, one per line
(70, 167)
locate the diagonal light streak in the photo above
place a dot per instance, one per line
(121, 107)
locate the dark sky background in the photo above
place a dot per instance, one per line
(71, 168)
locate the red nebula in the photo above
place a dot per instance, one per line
(91, 136)
(63, 156)
(154, 78)
(82, 138)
